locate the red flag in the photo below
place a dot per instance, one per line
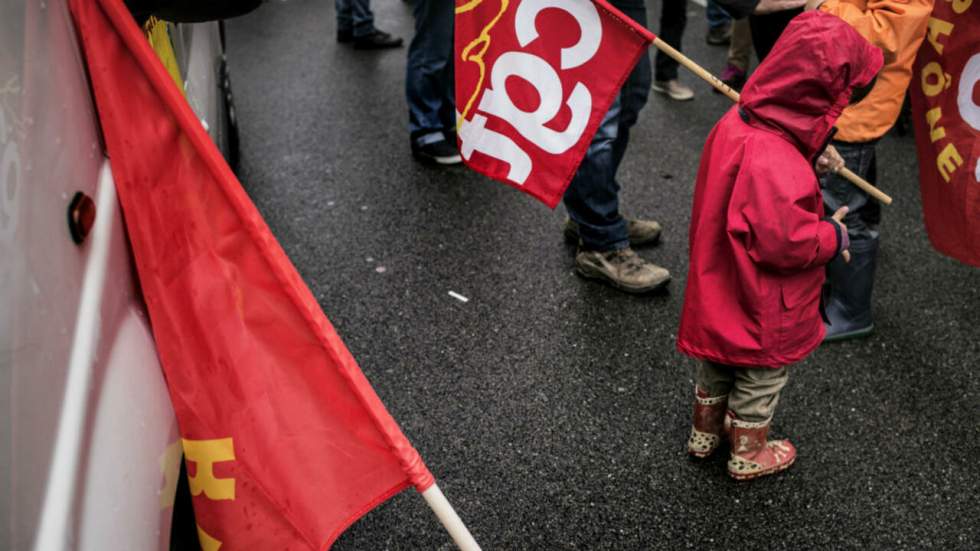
(533, 80)
(946, 111)
(286, 442)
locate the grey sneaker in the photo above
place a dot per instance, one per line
(623, 269)
(641, 232)
(673, 89)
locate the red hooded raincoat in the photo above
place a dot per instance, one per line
(758, 243)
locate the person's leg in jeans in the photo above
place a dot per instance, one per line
(429, 83)
(355, 17)
(719, 24)
(355, 23)
(753, 400)
(592, 202)
(635, 91)
(673, 19)
(633, 96)
(848, 301)
(345, 20)
(592, 198)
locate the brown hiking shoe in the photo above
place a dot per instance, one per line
(640, 232)
(623, 269)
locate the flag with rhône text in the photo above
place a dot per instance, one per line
(534, 79)
(285, 441)
(945, 92)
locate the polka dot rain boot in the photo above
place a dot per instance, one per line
(753, 455)
(709, 423)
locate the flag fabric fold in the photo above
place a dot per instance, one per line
(286, 443)
(534, 79)
(946, 116)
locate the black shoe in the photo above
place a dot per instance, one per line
(442, 152)
(345, 37)
(848, 304)
(719, 36)
(377, 40)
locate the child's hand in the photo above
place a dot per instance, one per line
(770, 6)
(829, 161)
(838, 217)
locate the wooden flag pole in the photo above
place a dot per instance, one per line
(696, 69)
(450, 520)
(733, 95)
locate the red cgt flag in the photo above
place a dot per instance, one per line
(286, 442)
(534, 79)
(945, 94)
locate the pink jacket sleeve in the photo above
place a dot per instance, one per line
(770, 215)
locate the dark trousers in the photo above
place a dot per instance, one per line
(864, 213)
(767, 28)
(673, 19)
(429, 71)
(592, 198)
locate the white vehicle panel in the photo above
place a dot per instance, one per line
(81, 392)
(138, 484)
(198, 47)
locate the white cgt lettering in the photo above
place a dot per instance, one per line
(475, 136)
(531, 124)
(969, 79)
(585, 15)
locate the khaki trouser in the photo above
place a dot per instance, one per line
(752, 392)
(740, 48)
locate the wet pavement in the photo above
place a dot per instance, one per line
(554, 411)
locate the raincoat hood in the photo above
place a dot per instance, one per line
(807, 80)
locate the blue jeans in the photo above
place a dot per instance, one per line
(355, 16)
(592, 198)
(716, 15)
(429, 72)
(864, 213)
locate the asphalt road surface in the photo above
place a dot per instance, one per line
(555, 411)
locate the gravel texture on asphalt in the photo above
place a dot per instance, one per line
(554, 411)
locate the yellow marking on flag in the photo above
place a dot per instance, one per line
(208, 542)
(205, 453)
(469, 6)
(482, 40)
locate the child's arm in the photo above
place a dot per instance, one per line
(770, 215)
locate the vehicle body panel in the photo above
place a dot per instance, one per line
(89, 450)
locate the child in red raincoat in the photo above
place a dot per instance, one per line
(759, 240)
